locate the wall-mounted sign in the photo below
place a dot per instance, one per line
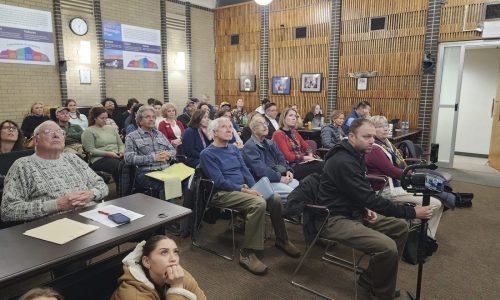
(362, 84)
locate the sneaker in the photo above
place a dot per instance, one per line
(253, 264)
(288, 248)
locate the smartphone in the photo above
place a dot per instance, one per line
(434, 183)
(119, 218)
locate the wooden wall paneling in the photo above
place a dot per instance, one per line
(460, 18)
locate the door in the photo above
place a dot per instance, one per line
(494, 154)
(450, 65)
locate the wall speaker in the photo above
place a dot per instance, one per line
(300, 32)
(235, 39)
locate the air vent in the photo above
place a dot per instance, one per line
(300, 32)
(235, 39)
(377, 23)
(177, 22)
(84, 6)
(492, 11)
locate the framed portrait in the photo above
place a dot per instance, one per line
(247, 83)
(281, 85)
(362, 84)
(310, 82)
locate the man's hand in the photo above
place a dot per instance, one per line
(74, 200)
(174, 276)
(162, 156)
(371, 216)
(251, 192)
(423, 212)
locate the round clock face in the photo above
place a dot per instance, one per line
(79, 26)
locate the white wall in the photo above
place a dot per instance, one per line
(478, 89)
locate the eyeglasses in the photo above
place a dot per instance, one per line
(10, 128)
(52, 132)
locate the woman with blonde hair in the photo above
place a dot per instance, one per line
(33, 119)
(170, 126)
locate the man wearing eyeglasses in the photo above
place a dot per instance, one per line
(49, 181)
(72, 132)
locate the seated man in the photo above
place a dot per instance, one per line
(345, 189)
(264, 159)
(148, 149)
(72, 132)
(49, 181)
(223, 163)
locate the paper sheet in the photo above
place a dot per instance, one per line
(173, 188)
(179, 170)
(110, 209)
(60, 231)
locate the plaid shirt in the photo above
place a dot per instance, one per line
(141, 148)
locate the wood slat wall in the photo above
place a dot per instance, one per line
(242, 59)
(459, 19)
(395, 53)
(289, 56)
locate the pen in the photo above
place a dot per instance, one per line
(103, 212)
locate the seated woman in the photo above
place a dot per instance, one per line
(315, 116)
(33, 119)
(246, 132)
(11, 138)
(195, 137)
(152, 271)
(103, 143)
(236, 140)
(384, 159)
(75, 117)
(300, 121)
(170, 126)
(293, 147)
(264, 159)
(132, 123)
(332, 134)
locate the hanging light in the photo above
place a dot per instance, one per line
(263, 2)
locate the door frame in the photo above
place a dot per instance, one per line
(464, 45)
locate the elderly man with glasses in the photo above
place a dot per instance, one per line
(49, 181)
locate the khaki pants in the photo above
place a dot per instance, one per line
(254, 208)
(383, 241)
(75, 149)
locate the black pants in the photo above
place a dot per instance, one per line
(108, 165)
(302, 170)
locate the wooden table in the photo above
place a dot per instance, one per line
(23, 256)
(314, 134)
(407, 134)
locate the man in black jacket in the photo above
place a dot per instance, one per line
(345, 189)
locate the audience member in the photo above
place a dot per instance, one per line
(103, 143)
(295, 150)
(264, 159)
(43, 293)
(385, 159)
(110, 105)
(11, 138)
(206, 107)
(187, 112)
(159, 117)
(315, 116)
(195, 137)
(271, 113)
(332, 133)
(236, 140)
(246, 132)
(132, 123)
(49, 181)
(300, 121)
(152, 271)
(239, 113)
(223, 163)
(224, 105)
(33, 119)
(148, 150)
(354, 206)
(75, 117)
(128, 112)
(193, 101)
(170, 126)
(151, 101)
(72, 133)
(362, 110)
(261, 109)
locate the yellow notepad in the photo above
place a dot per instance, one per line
(179, 170)
(61, 231)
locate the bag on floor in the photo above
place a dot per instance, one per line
(410, 253)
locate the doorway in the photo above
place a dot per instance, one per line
(466, 85)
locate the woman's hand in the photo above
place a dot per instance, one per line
(113, 155)
(176, 142)
(174, 276)
(308, 157)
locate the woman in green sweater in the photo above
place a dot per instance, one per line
(103, 143)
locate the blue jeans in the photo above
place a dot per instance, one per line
(146, 182)
(284, 189)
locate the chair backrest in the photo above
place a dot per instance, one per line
(313, 145)
(127, 178)
(409, 150)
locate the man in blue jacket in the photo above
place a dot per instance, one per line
(264, 159)
(362, 110)
(223, 163)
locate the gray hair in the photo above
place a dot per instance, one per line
(253, 122)
(39, 127)
(166, 107)
(215, 124)
(378, 121)
(140, 113)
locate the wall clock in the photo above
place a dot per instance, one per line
(79, 26)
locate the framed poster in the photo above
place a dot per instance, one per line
(310, 82)
(247, 83)
(281, 85)
(362, 84)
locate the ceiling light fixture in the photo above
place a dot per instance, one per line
(263, 2)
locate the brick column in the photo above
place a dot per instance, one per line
(333, 61)
(60, 51)
(164, 62)
(264, 52)
(189, 58)
(100, 48)
(428, 78)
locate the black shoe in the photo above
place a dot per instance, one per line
(366, 284)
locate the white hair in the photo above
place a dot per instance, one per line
(39, 127)
(215, 124)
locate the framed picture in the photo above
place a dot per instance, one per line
(247, 83)
(310, 82)
(362, 84)
(281, 85)
(85, 77)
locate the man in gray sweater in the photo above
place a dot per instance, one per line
(49, 181)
